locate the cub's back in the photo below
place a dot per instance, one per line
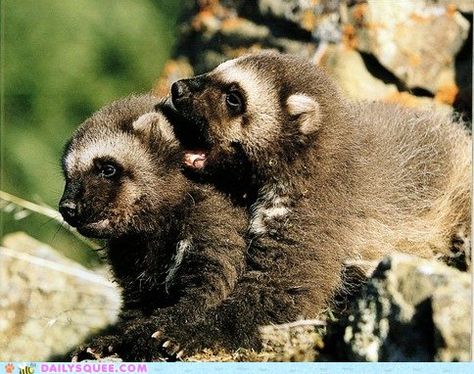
(414, 176)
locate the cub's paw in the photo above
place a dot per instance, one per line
(99, 348)
(170, 348)
(138, 344)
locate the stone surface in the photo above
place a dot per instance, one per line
(318, 17)
(347, 67)
(410, 310)
(48, 303)
(416, 40)
(414, 44)
(465, 6)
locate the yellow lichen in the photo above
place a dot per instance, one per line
(447, 93)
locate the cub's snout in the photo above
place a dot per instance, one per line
(69, 210)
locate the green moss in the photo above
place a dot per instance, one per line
(63, 60)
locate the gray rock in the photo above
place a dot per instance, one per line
(410, 310)
(416, 40)
(48, 303)
(465, 6)
(347, 67)
(306, 14)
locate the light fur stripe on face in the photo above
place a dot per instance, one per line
(122, 147)
(262, 100)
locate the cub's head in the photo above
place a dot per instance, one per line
(122, 171)
(251, 113)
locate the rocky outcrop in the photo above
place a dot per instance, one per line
(48, 303)
(411, 309)
(416, 53)
(415, 40)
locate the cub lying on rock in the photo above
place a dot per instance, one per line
(176, 248)
(326, 181)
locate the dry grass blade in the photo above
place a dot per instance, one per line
(9, 202)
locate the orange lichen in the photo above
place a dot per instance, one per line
(419, 18)
(349, 37)
(402, 98)
(200, 20)
(237, 52)
(414, 59)
(231, 23)
(451, 10)
(447, 93)
(208, 4)
(172, 71)
(309, 20)
(375, 25)
(358, 12)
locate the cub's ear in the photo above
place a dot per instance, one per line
(154, 124)
(308, 111)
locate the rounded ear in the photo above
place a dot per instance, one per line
(307, 110)
(154, 124)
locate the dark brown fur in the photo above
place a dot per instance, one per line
(151, 211)
(355, 182)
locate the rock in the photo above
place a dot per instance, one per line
(296, 341)
(411, 309)
(465, 6)
(319, 17)
(174, 70)
(410, 45)
(347, 67)
(416, 40)
(48, 303)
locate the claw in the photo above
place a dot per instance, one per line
(74, 359)
(180, 354)
(156, 335)
(110, 349)
(174, 350)
(89, 350)
(166, 344)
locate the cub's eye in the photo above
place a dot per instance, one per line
(107, 170)
(234, 102)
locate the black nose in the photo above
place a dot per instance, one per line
(68, 210)
(179, 89)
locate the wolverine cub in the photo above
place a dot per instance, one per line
(176, 248)
(326, 181)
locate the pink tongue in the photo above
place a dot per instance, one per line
(195, 159)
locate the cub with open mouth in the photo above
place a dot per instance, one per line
(326, 181)
(176, 248)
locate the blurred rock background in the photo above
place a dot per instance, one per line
(415, 52)
(62, 60)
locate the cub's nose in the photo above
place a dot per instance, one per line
(179, 90)
(69, 211)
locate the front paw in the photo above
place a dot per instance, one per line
(138, 343)
(171, 349)
(99, 348)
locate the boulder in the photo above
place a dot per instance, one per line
(411, 309)
(415, 40)
(48, 303)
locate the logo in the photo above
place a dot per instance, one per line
(27, 370)
(9, 368)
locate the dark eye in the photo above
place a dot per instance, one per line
(107, 170)
(234, 102)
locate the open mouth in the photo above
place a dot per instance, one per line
(190, 134)
(195, 159)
